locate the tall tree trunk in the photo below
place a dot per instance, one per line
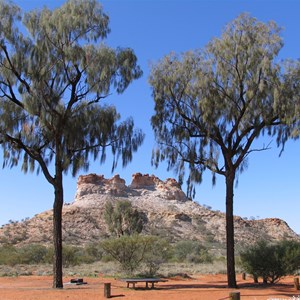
(231, 278)
(57, 233)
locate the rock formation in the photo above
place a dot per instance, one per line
(97, 184)
(167, 210)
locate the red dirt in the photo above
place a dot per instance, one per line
(210, 287)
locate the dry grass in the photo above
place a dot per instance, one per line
(112, 269)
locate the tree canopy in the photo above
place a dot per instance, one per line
(54, 71)
(52, 80)
(218, 98)
(211, 104)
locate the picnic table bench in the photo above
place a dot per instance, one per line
(133, 281)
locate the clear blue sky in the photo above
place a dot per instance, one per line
(270, 187)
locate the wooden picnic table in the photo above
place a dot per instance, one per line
(133, 281)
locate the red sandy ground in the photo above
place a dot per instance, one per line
(210, 287)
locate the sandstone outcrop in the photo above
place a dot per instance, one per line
(167, 210)
(140, 185)
(97, 184)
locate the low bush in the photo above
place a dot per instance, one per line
(136, 250)
(127, 250)
(271, 262)
(32, 254)
(73, 255)
(191, 251)
(9, 255)
(28, 254)
(39, 254)
(156, 254)
(90, 253)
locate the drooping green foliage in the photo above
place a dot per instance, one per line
(54, 71)
(271, 262)
(291, 109)
(211, 105)
(52, 81)
(123, 219)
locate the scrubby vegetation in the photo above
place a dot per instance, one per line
(39, 254)
(134, 253)
(271, 262)
(123, 219)
(191, 251)
(147, 255)
(152, 256)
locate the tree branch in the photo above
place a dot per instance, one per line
(13, 69)
(17, 143)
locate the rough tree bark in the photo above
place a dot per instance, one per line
(231, 278)
(57, 236)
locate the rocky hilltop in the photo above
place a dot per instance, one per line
(167, 210)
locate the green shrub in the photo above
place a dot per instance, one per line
(191, 251)
(133, 251)
(127, 250)
(28, 254)
(90, 253)
(32, 254)
(123, 219)
(9, 255)
(38, 254)
(291, 257)
(49, 255)
(70, 255)
(271, 262)
(157, 252)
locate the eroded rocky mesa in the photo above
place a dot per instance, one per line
(97, 184)
(167, 211)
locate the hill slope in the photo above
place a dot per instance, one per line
(167, 210)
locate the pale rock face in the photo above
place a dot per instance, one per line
(141, 184)
(97, 184)
(169, 189)
(140, 181)
(164, 205)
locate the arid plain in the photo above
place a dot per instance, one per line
(210, 287)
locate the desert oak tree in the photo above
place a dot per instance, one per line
(211, 105)
(54, 71)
